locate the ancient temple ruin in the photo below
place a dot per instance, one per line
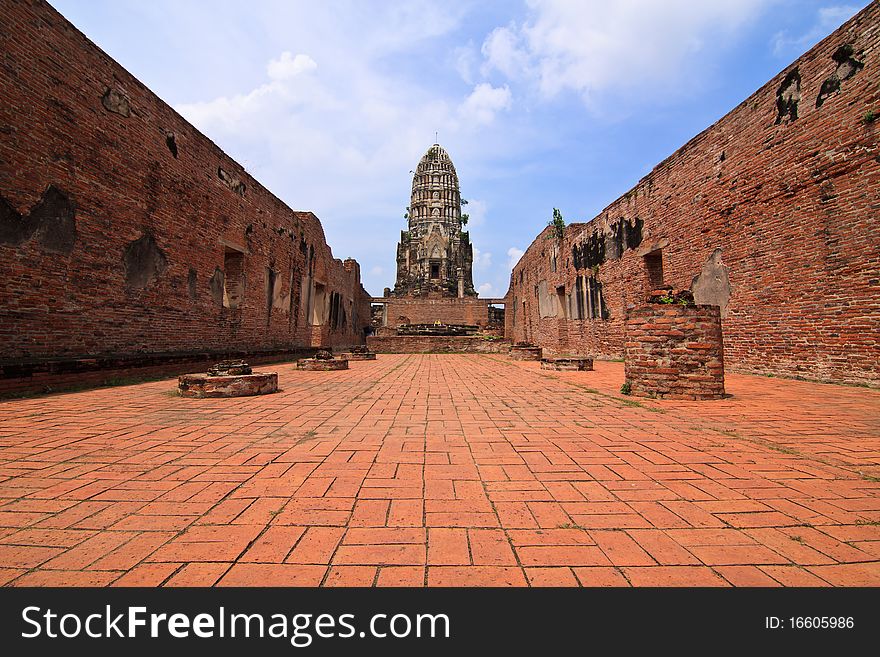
(435, 257)
(434, 294)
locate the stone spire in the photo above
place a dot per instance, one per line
(435, 257)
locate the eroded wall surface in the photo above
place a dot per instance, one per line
(419, 310)
(771, 214)
(125, 231)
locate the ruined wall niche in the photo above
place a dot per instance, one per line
(712, 285)
(144, 262)
(546, 306)
(51, 221)
(561, 302)
(788, 96)
(14, 228)
(116, 102)
(233, 278)
(307, 291)
(654, 270)
(216, 285)
(275, 297)
(231, 181)
(271, 277)
(319, 305)
(192, 284)
(293, 299)
(338, 317)
(579, 300)
(596, 308)
(847, 66)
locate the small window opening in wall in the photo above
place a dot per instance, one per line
(319, 309)
(654, 269)
(560, 298)
(271, 277)
(595, 302)
(435, 270)
(579, 297)
(233, 272)
(335, 309)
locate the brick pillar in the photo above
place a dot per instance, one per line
(674, 352)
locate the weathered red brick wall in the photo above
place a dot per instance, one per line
(415, 344)
(674, 352)
(772, 217)
(32, 376)
(418, 310)
(124, 231)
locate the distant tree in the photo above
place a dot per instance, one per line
(557, 223)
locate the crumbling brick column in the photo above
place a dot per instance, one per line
(674, 352)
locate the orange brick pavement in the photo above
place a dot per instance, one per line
(443, 470)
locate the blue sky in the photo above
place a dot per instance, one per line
(541, 104)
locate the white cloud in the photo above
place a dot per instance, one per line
(227, 113)
(513, 256)
(405, 22)
(482, 261)
(335, 139)
(476, 211)
(484, 102)
(595, 46)
(828, 19)
(288, 66)
(486, 290)
(465, 61)
(504, 51)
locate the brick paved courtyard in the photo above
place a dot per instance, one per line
(443, 470)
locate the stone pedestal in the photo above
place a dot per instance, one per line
(358, 355)
(674, 352)
(525, 352)
(234, 385)
(322, 364)
(567, 363)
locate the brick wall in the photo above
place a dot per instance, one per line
(61, 375)
(772, 218)
(125, 232)
(421, 310)
(674, 352)
(414, 344)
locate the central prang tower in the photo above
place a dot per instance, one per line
(434, 257)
